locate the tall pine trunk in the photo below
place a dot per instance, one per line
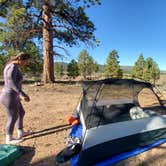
(48, 64)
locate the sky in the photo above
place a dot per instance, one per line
(131, 27)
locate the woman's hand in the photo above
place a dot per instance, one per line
(25, 98)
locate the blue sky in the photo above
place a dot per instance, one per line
(131, 27)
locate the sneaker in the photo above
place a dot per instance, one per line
(14, 141)
(22, 134)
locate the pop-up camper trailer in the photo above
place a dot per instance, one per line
(117, 116)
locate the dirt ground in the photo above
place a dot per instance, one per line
(46, 117)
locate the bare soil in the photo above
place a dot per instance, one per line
(46, 116)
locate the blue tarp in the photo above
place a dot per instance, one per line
(76, 131)
(126, 155)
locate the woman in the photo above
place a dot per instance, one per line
(11, 95)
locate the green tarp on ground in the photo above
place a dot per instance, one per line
(8, 154)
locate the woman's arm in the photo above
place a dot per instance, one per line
(12, 75)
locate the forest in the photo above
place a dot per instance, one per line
(41, 28)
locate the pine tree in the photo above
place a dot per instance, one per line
(90, 65)
(151, 70)
(57, 68)
(155, 72)
(112, 68)
(14, 29)
(3, 61)
(61, 70)
(15, 36)
(72, 69)
(35, 66)
(137, 70)
(83, 63)
(65, 21)
(86, 64)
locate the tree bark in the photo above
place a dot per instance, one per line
(48, 64)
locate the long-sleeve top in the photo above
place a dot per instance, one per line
(13, 79)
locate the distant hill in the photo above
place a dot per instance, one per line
(126, 69)
(162, 71)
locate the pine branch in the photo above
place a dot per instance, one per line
(62, 48)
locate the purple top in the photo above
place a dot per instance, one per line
(13, 79)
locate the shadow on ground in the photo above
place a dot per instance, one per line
(26, 157)
(48, 131)
(49, 161)
(25, 160)
(29, 152)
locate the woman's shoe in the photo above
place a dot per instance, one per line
(22, 133)
(11, 140)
